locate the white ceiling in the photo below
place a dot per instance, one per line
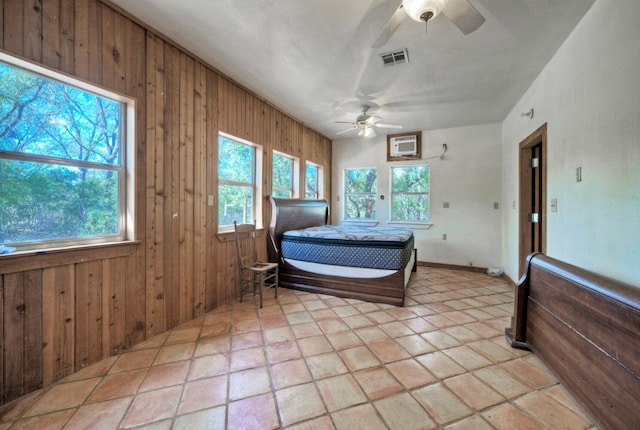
(313, 58)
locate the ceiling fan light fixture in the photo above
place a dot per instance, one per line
(423, 10)
(367, 132)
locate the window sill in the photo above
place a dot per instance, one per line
(413, 225)
(41, 258)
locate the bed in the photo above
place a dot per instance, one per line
(372, 264)
(584, 327)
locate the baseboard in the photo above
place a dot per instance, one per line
(511, 281)
(453, 266)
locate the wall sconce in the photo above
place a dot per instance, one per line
(529, 114)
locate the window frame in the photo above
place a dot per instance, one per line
(318, 194)
(125, 170)
(257, 183)
(294, 175)
(346, 199)
(393, 194)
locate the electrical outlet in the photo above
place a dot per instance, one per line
(444, 236)
(445, 205)
(496, 205)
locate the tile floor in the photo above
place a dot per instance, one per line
(309, 361)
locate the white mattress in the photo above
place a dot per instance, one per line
(343, 271)
(350, 272)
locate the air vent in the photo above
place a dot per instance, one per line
(395, 57)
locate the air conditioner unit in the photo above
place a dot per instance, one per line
(401, 146)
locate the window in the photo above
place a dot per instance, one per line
(410, 194)
(360, 194)
(313, 181)
(284, 176)
(63, 160)
(238, 179)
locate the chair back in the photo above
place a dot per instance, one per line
(247, 252)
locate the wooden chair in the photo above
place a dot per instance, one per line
(255, 275)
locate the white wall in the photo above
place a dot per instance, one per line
(589, 94)
(469, 179)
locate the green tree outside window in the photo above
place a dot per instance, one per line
(236, 182)
(410, 194)
(360, 193)
(312, 187)
(62, 172)
(282, 185)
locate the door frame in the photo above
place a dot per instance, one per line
(525, 239)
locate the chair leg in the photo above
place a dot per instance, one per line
(256, 282)
(276, 284)
(259, 284)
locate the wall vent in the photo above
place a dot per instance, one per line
(395, 57)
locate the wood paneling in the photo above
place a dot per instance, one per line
(66, 309)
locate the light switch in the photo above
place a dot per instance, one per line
(554, 205)
(210, 200)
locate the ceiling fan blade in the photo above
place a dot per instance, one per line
(390, 27)
(345, 122)
(382, 125)
(344, 131)
(463, 15)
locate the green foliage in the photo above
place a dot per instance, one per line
(235, 161)
(410, 193)
(282, 173)
(282, 176)
(59, 160)
(410, 208)
(236, 175)
(311, 185)
(235, 203)
(410, 179)
(360, 193)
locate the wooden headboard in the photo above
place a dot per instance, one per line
(586, 329)
(293, 214)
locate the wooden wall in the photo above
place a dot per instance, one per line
(63, 310)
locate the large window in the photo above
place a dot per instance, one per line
(63, 160)
(238, 179)
(313, 181)
(284, 175)
(360, 194)
(410, 194)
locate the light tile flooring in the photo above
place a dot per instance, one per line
(308, 361)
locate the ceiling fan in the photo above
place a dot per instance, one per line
(365, 124)
(460, 12)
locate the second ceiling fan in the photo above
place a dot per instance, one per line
(460, 12)
(365, 124)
